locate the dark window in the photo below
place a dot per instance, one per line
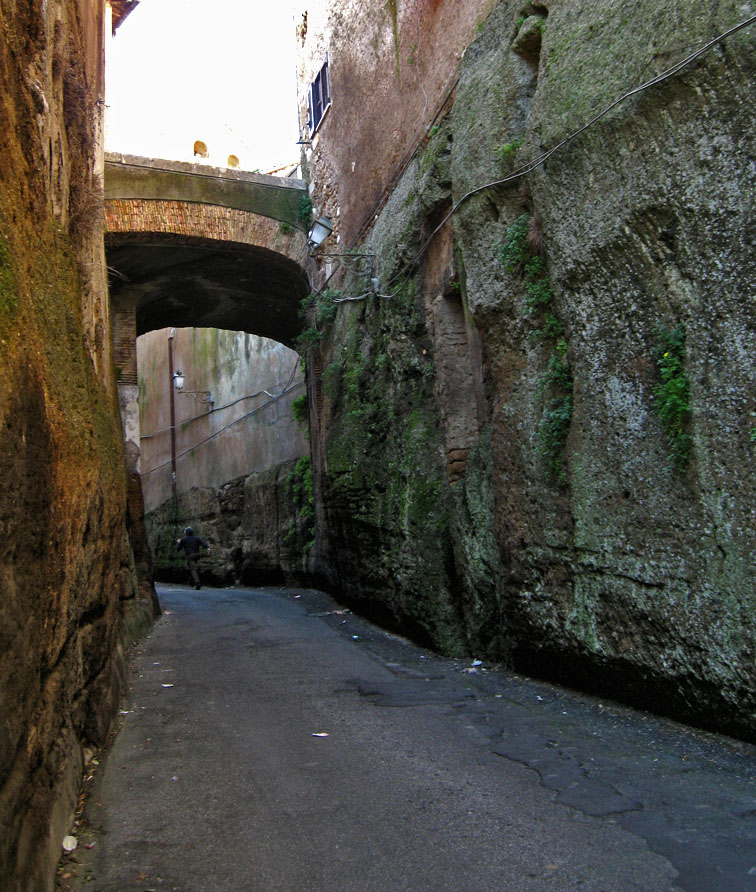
(320, 98)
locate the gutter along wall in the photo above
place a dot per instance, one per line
(534, 442)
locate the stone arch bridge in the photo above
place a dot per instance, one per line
(189, 245)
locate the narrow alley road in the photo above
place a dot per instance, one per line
(276, 742)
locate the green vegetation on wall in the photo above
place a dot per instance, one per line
(556, 385)
(299, 409)
(305, 210)
(521, 253)
(8, 287)
(506, 153)
(320, 310)
(672, 394)
(385, 462)
(302, 494)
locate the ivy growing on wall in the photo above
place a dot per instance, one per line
(321, 310)
(299, 410)
(521, 254)
(302, 494)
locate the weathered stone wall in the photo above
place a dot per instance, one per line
(234, 464)
(260, 528)
(67, 569)
(633, 570)
(492, 473)
(252, 382)
(391, 65)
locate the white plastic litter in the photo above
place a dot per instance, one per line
(69, 843)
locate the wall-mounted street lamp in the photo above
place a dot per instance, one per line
(203, 396)
(319, 232)
(177, 381)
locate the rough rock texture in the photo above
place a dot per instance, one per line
(405, 500)
(259, 528)
(633, 572)
(499, 480)
(66, 562)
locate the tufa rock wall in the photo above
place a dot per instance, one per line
(67, 568)
(260, 528)
(535, 443)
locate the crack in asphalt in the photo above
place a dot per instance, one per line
(690, 794)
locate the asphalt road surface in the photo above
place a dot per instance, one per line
(273, 742)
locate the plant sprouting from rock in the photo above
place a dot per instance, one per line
(299, 410)
(320, 309)
(513, 251)
(522, 253)
(305, 211)
(672, 393)
(302, 494)
(308, 339)
(556, 385)
(506, 153)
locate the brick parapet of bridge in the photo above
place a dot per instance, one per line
(124, 326)
(206, 221)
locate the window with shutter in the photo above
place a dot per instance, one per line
(320, 98)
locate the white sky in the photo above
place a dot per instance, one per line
(222, 71)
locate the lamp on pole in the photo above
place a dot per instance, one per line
(204, 396)
(171, 384)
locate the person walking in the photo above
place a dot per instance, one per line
(191, 545)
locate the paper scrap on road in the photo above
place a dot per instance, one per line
(320, 734)
(167, 685)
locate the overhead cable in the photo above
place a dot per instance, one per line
(536, 162)
(222, 429)
(544, 156)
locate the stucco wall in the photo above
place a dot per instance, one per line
(248, 429)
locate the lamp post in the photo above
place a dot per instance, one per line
(171, 383)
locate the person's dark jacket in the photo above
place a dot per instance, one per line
(191, 544)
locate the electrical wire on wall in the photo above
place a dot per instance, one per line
(288, 388)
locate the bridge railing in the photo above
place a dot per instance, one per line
(279, 198)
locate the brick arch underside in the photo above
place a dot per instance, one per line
(200, 281)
